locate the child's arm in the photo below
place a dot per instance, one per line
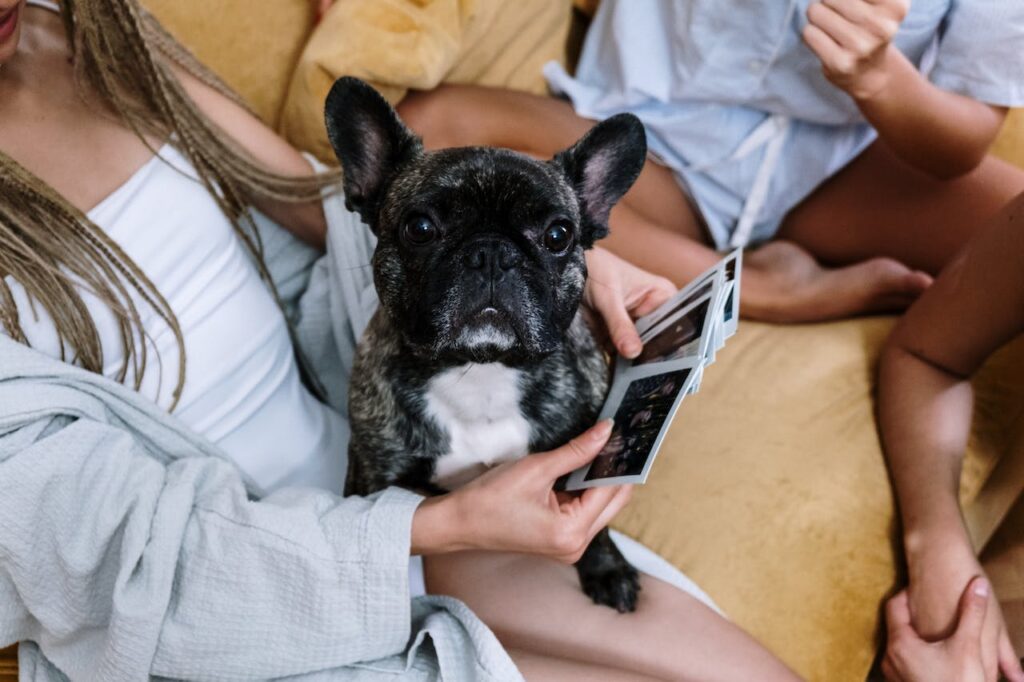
(939, 132)
(925, 405)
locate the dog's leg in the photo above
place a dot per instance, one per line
(606, 576)
(356, 481)
(365, 478)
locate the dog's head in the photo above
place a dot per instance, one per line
(480, 251)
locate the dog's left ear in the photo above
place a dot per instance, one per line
(371, 143)
(602, 167)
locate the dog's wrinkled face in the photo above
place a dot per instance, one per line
(480, 251)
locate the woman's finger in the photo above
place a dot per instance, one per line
(593, 502)
(610, 304)
(658, 294)
(897, 613)
(1009, 664)
(574, 454)
(973, 606)
(614, 506)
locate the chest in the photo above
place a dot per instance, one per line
(478, 407)
(88, 153)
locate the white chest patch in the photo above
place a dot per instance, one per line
(478, 406)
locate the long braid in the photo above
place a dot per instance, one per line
(122, 56)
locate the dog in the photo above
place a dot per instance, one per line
(479, 353)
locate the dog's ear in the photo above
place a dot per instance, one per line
(601, 167)
(371, 143)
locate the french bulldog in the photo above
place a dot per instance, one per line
(478, 353)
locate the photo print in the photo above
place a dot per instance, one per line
(640, 418)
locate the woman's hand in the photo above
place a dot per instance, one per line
(514, 508)
(959, 658)
(621, 292)
(852, 39)
(939, 574)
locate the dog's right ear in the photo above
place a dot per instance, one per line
(371, 143)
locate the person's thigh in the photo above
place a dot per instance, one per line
(548, 669)
(881, 206)
(467, 115)
(536, 605)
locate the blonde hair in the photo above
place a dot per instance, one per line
(123, 56)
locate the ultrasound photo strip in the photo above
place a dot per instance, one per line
(687, 332)
(681, 298)
(642, 407)
(680, 339)
(733, 269)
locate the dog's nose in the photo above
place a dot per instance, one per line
(492, 256)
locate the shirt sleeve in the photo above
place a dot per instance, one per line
(120, 566)
(981, 51)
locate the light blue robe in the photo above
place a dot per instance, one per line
(132, 547)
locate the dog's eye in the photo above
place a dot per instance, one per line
(557, 238)
(420, 231)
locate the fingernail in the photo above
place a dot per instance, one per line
(631, 348)
(981, 587)
(602, 429)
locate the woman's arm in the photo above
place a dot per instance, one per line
(121, 566)
(306, 221)
(941, 133)
(514, 507)
(925, 405)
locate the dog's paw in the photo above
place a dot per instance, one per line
(617, 587)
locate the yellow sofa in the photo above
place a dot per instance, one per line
(771, 490)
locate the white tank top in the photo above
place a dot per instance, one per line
(242, 387)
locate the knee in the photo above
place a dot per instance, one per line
(432, 114)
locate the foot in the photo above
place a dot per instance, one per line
(618, 587)
(783, 283)
(606, 576)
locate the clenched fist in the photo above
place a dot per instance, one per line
(852, 38)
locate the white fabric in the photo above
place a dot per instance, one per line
(46, 4)
(242, 389)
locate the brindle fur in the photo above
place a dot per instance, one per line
(413, 336)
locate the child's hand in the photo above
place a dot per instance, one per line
(908, 658)
(852, 39)
(958, 658)
(938, 573)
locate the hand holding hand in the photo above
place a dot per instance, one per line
(620, 292)
(938, 576)
(959, 658)
(513, 508)
(852, 38)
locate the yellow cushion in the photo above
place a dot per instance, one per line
(252, 44)
(403, 44)
(771, 489)
(1010, 144)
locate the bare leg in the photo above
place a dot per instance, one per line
(536, 667)
(535, 605)
(455, 116)
(655, 226)
(881, 206)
